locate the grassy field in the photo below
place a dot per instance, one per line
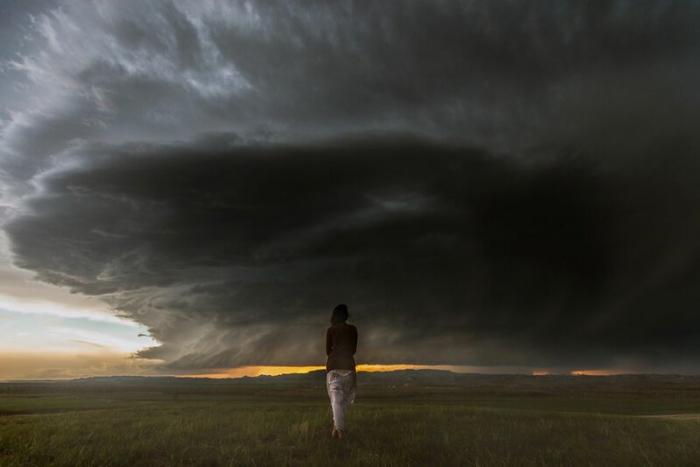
(289, 424)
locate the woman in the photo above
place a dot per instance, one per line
(341, 379)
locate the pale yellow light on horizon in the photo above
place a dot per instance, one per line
(63, 364)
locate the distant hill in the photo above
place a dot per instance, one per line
(418, 376)
(396, 376)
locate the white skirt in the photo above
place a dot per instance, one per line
(340, 385)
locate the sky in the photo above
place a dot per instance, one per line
(190, 188)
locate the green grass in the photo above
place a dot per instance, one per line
(264, 425)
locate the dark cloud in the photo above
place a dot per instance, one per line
(234, 254)
(520, 188)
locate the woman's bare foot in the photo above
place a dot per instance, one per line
(334, 433)
(341, 434)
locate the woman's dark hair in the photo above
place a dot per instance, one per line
(340, 314)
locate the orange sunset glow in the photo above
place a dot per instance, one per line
(598, 372)
(282, 370)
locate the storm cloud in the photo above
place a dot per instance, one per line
(484, 183)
